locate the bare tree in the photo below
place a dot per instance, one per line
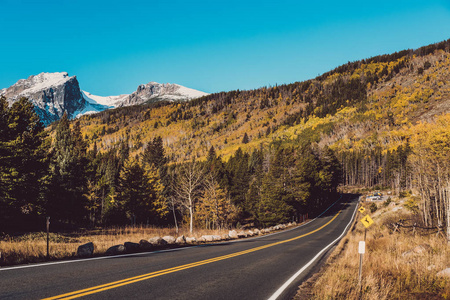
(187, 187)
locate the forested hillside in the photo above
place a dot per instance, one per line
(261, 156)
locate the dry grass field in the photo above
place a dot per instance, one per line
(33, 247)
(397, 265)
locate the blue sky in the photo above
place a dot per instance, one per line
(113, 46)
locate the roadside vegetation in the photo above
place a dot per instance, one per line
(402, 261)
(32, 247)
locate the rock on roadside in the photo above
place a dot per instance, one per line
(86, 250)
(170, 240)
(157, 241)
(131, 247)
(181, 240)
(115, 250)
(444, 273)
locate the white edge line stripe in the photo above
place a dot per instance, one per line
(290, 280)
(149, 253)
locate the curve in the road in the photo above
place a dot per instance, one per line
(119, 283)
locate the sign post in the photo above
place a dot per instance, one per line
(361, 251)
(48, 237)
(366, 221)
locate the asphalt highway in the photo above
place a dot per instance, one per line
(267, 267)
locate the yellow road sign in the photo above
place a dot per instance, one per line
(367, 221)
(361, 209)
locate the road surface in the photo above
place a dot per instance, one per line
(267, 267)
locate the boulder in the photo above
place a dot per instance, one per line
(191, 240)
(225, 237)
(115, 250)
(85, 250)
(256, 231)
(422, 248)
(294, 223)
(207, 238)
(157, 241)
(217, 238)
(131, 247)
(181, 240)
(418, 250)
(233, 234)
(282, 226)
(145, 245)
(250, 233)
(169, 239)
(444, 273)
(241, 234)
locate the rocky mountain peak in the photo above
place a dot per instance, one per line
(53, 94)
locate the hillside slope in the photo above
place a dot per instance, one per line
(373, 101)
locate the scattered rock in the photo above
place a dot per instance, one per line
(241, 234)
(157, 241)
(233, 234)
(169, 239)
(422, 248)
(85, 250)
(207, 238)
(191, 240)
(444, 273)
(225, 237)
(289, 224)
(277, 227)
(115, 250)
(145, 245)
(181, 240)
(294, 223)
(256, 231)
(217, 238)
(250, 233)
(131, 247)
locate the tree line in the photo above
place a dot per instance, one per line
(59, 176)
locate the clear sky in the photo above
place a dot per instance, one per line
(113, 46)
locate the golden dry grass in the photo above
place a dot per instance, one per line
(33, 247)
(391, 269)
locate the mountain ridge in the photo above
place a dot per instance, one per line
(54, 94)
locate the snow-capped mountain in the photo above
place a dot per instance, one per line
(55, 93)
(153, 91)
(51, 93)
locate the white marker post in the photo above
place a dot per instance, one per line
(361, 251)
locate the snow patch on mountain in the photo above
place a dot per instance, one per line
(110, 101)
(41, 82)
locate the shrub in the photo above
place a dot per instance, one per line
(373, 207)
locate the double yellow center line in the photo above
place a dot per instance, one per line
(119, 283)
